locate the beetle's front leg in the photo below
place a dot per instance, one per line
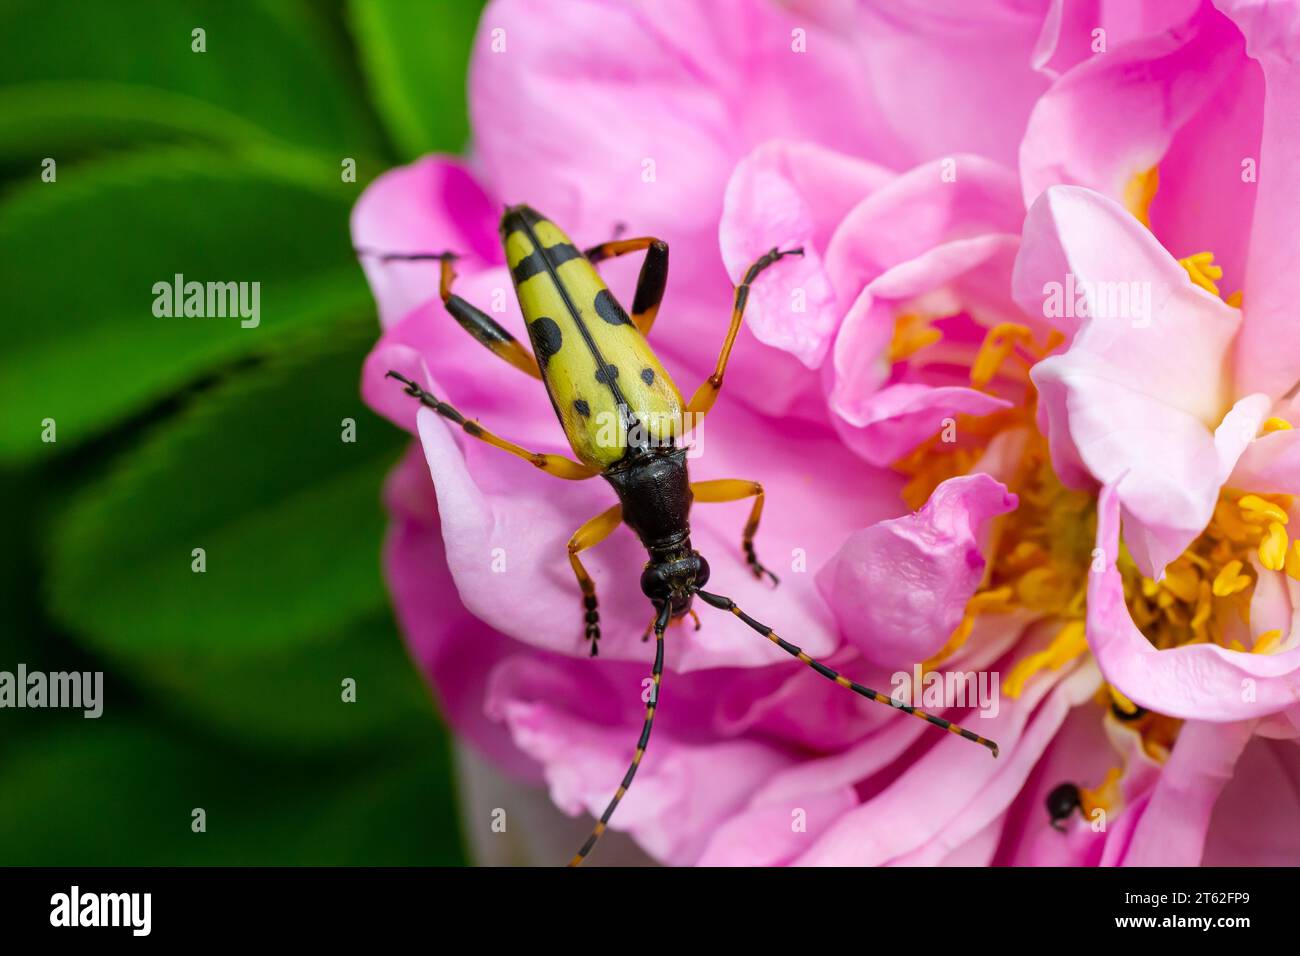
(736, 489)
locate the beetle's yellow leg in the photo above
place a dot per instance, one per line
(737, 489)
(707, 393)
(588, 536)
(556, 465)
(471, 318)
(652, 281)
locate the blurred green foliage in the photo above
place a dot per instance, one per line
(222, 689)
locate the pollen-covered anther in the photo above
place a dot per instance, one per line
(1275, 424)
(1273, 549)
(999, 344)
(1203, 271)
(1230, 580)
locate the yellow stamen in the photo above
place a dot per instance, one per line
(1255, 508)
(999, 343)
(1105, 797)
(1276, 425)
(1293, 561)
(1120, 701)
(1070, 642)
(1138, 193)
(1203, 271)
(1230, 580)
(1272, 550)
(1265, 643)
(912, 333)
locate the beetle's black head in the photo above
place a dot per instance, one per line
(673, 580)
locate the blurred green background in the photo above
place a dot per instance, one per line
(222, 689)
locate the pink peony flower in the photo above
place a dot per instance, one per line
(889, 370)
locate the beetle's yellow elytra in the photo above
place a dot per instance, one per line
(608, 387)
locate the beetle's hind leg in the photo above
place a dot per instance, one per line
(737, 489)
(589, 535)
(556, 465)
(471, 318)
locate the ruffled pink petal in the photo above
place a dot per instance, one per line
(1156, 84)
(682, 793)
(433, 205)
(1268, 358)
(792, 196)
(922, 209)
(1194, 682)
(899, 588)
(1270, 464)
(911, 812)
(1138, 399)
(1067, 33)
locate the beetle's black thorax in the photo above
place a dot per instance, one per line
(655, 490)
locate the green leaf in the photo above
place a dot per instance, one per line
(73, 73)
(122, 792)
(256, 474)
(86, 259)
(415, 57)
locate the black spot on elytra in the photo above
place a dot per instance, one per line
(606, 373)
(607, 308)
(546, 337)
(582, 408)
(648, 376)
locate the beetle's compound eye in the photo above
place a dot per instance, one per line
(701, 571)
(654, 583)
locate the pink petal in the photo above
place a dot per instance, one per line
(675, 83)
(1172, 828)
(1268, 359)
(1253, 823)
(787, 196)
(1270, 464)
(1194, 682)
(1156, 84)
(680, 796)
(1135, 401)
(952, 76)
(433, 205)
(899, 588)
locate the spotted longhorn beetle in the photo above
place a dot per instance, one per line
(598, 367)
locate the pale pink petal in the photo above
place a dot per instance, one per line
(1146, 91)
(774, 834)
(1253, 823)
(1140, 400)
(673, 93)
(1172, 828)
(1194, 682)
(954, 76)
(683, 791)
(1270, 464)
(1068, 38)
(433, 205)
(906, 816)
(946, 200)
(1268, 358)
(899, 588)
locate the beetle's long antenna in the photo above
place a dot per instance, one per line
(661, 622)
(726, 604)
